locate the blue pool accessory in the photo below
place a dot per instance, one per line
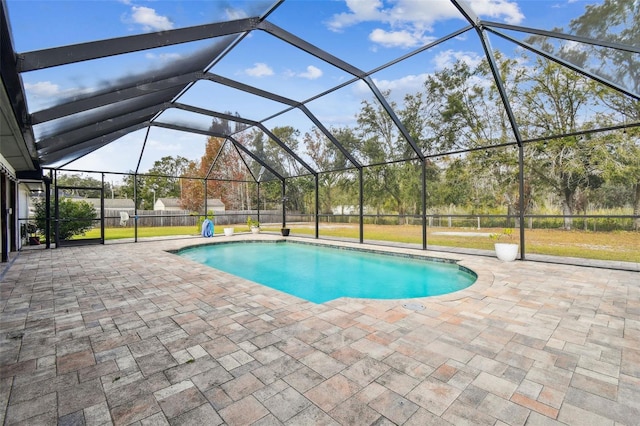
(207, 228)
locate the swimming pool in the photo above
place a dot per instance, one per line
(320, 273)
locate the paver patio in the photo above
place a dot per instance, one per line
(132, 334)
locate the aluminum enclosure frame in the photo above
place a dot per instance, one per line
(139, 102)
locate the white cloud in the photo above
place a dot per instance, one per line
(233, 14)
(449, 57)
(43, 89)
(165, 57)
(45, 94)
(399, 87)
(164, 145)
(404, 39)
(504, 9)
(401, 13)
(311, 73)
(359, 11)
(407, 84)
(571, 46)
(409, 20)
(259, 69)
(149, 19)
(413, 83)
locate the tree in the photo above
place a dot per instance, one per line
(289, 136)
(552, 105)
(78, 217)
(128, 187)
(326, 157)
(162, 180)
(459, 110)
(286, 164)
(414, 117)
(225, 172)
(192, 196)
(235, 188)
(614, 21)
(195, 174)
(622, 166)
(78, 181)
(220, 164)
(389, 186)
(455, 186)
(596, 159)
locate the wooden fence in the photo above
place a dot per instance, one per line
(155, 218)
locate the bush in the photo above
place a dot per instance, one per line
(210, 215)
(76, 217)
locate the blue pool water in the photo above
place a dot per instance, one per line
(320, 274)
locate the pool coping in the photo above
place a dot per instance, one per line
(484, 277)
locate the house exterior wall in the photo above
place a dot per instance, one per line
(160, 205)
(9, 236)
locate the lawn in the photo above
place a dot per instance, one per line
(619, 246)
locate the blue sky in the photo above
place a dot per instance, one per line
(366, 33)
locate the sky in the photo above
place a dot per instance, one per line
(365, 33)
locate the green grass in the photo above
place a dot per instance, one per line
(144, 232)
(617, 246)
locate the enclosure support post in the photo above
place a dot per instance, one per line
(102, 211)
(317, 206)
(135, 207)
(512, 120)
(258, 201)
(521, 204)
(56, 211)
(424, 204)
(4, 220)
(284, 203)
(135, 186)
(47, 203)
(361, 205)
(206, 197)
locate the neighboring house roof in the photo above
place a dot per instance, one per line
(214, 202)
(169, 202)
(111, 203)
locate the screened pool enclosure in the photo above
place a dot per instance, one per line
(420, 123)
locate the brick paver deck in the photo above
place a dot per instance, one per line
(131, 334)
